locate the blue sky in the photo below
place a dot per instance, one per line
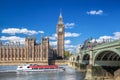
(82, 19)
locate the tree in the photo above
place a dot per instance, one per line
(67, 54)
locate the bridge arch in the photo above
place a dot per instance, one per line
(107, 57)
(77, 57)
(85, 59)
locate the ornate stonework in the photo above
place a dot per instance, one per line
(60, 38)
(30, 52)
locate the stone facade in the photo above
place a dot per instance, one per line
(30, 52)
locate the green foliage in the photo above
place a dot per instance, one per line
(67, 54)
(77, 64)
(82, 66)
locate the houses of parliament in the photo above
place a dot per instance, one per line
(32, 52)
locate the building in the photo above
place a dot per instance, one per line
(32, 51)
(60, 38)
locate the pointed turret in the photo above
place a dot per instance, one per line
(60, 18)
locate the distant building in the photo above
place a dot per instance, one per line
(33, 51)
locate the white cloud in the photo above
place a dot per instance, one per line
(69, 25)
(71, 50)
(41, 32)
(14, 31)
(67, 41)
(53, 43)
(70, 46)
(53, 37)
(116, 36)
(102, 38)
(69, 34)
(13, 39)
(67, 45)
(94, 12)
(105, 38)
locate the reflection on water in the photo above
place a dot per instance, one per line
(69, 74)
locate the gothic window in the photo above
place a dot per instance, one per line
(13, 53)
(16, 52)
(40, 53)
(5, 53)
(36, 54)
(19, 53)
(23, 55)
(30, 53)
(8, 53)
(1, 53)
(44, 53)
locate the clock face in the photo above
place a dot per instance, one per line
(60, 29)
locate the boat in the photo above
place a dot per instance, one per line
(39, 68)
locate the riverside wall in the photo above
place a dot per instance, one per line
(45, 62)
(95, 72)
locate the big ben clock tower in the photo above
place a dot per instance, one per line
(60, 38)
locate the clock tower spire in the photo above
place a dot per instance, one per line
(60, 38)
(60, 18)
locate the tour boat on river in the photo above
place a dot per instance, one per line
(39, 68)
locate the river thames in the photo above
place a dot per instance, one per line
(69, 74)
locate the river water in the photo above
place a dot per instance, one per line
(69, 74)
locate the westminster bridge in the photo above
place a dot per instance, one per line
(102, 60)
